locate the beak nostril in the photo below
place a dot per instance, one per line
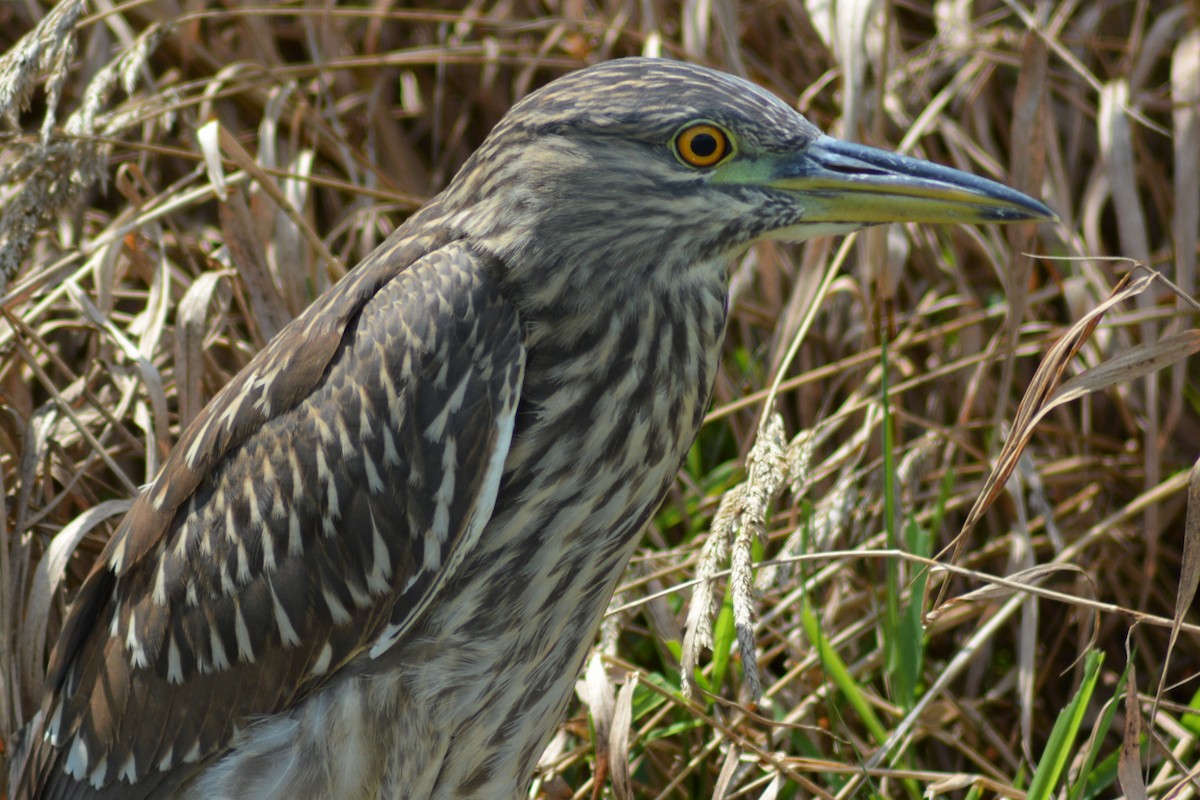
(855, 169)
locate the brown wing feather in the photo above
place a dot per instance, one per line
(303, 513)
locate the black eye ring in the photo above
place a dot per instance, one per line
(702, 144)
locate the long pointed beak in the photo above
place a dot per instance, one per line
(854, 185)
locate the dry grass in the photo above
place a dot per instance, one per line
(174, 188)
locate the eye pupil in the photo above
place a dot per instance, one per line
(704, 144)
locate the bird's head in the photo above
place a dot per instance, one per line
(640, 171)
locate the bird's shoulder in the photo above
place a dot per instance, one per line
(303, 520)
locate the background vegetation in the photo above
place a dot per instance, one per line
(178, 179)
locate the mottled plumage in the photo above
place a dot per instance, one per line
(373, 566)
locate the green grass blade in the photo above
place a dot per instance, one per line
(1062, 738)
(1087, 779)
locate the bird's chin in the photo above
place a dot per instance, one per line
(804, 231)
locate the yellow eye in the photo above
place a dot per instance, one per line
(702, 144)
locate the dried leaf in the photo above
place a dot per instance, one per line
(152, 383)
(233, 150)
(1041, 388)
(618, 743)
(1189, 576)
(1189, 572)
(266, 303)
(1185, 105)
(1129, 761)
(1124, 367)
(1033, 576)
(1116, 146)
(33, 641)
(208, 137)
(773, 788)
(189, 346)
(729, 767)
(596, 692)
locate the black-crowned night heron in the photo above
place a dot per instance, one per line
(373, 566)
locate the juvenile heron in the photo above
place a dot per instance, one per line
(373, 566)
